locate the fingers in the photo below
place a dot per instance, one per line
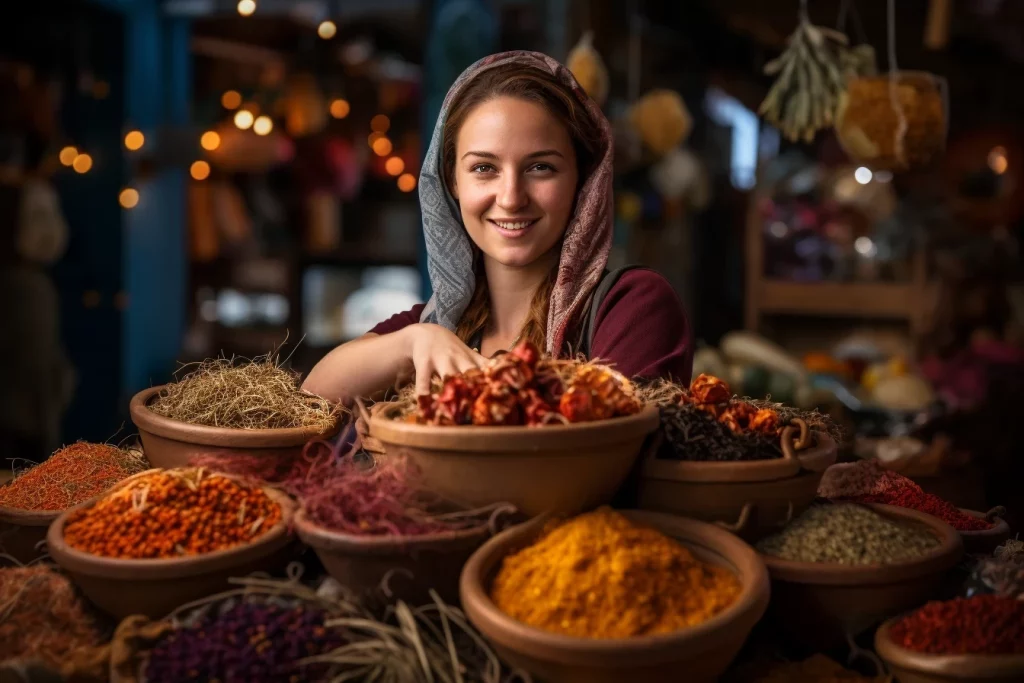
(424, 373)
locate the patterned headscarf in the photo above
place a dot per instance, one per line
(587, 239)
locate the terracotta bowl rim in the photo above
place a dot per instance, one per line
(19, 517)
(321, 538)
(967, 666)
(946, 555)
(155, 569)
(999, 526)
(506, 439)
(148, 421)
(752, 600)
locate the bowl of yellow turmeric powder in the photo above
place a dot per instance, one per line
(612, 596)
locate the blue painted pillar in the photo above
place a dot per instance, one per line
(158, 94)
(461, 32)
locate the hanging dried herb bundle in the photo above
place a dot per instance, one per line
(705, 422)
(811, 77)
(258, 394)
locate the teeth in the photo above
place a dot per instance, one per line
(519, 225)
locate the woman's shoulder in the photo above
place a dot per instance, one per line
(399, 320)
(641, 287)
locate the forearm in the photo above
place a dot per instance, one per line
(364, 367)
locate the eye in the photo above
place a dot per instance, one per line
(542, 167)
(482, 168)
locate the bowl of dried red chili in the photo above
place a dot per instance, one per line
(170, 443)
(974, 639)
(983, 540)
(166, 537)
(613, 596)
(828, 581)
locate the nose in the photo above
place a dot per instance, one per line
(512, 194)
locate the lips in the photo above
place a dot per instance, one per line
(513, 229)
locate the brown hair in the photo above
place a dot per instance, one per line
(537, 86)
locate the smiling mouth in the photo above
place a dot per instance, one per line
(513, 226)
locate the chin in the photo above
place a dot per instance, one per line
(516, 257)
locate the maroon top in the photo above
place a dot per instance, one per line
(640, 329)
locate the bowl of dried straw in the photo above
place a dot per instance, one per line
(224, 408)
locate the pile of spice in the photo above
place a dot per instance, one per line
(257, 394)
(983, 624)
(600, 575)
(705, 422)
(867, 482)
(380, 500)
(846, 533)
(41, 617)
(70, 476)
(172, 513)
(815, 669)
(244, 641)
(521, 388)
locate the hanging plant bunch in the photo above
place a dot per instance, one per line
(811, 78)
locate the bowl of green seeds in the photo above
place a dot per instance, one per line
(840, 568)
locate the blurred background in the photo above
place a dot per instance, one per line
(181, 179)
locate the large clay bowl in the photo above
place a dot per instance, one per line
(122, 587)
(986, 541)
(21, 532)
(818, 604)
(697, 655)
(412, 565)
(917, 667)
(562, 469)
(752, 499)
(171, 443)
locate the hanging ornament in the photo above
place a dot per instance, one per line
(587, 66)
(306, 110)
(679, 176)
(897, 121)
(811, 77)
(661, 119)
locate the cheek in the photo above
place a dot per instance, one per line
(555, 197)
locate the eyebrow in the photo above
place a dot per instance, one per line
(532, 155)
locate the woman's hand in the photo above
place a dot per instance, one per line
(433, 350)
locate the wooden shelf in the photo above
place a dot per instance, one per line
(839, 299)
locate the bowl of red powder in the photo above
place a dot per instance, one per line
(974, 639)
(166, 537)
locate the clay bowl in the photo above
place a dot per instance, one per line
(698, 655)
(171, 443)
(122, 587)
(562, 469)
(817, 604)
(21, 531)
(412, 565)
(752, 499)
(908, 666)
(986, 541)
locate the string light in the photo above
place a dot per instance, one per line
(340, 109)
(67, 155)
(997, 160)
(244, 119)
(232, 99)
(134, 140)
(382, 147)
(263, 125)
(82, 163)
(246, 7)
(210, 140)
(200, 170)
(380, 123)
(394, 166)
(128, 198)
(373, 137)
(326, 29)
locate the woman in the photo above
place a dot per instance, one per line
(516, 194)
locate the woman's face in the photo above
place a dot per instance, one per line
(515, 179)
